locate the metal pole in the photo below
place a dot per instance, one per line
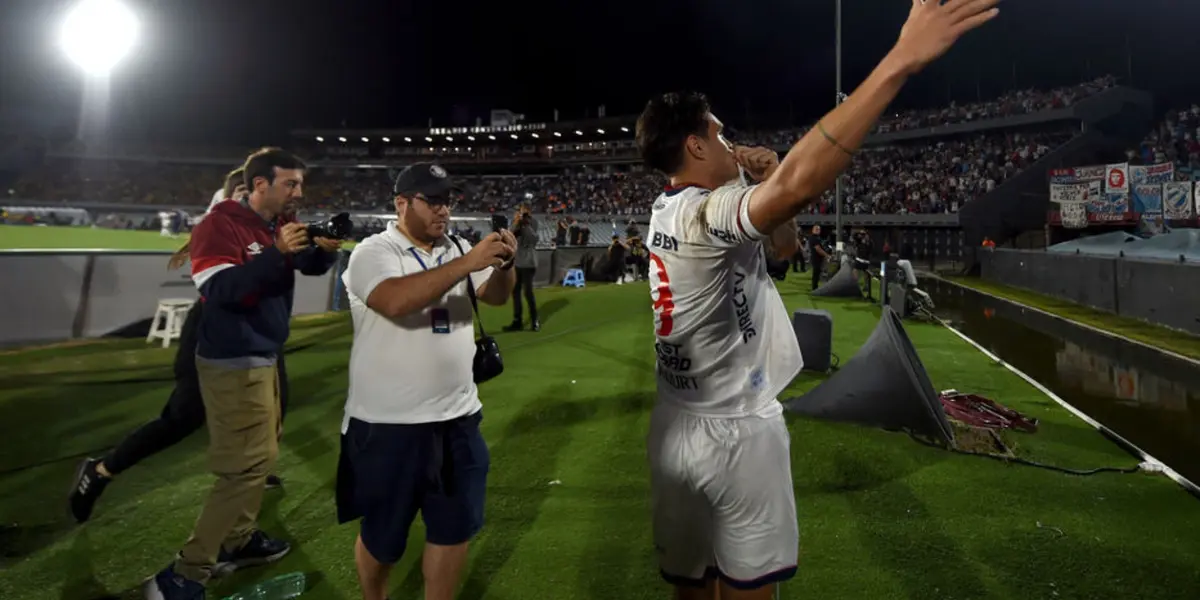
(837, 193)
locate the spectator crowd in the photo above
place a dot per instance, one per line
(931, 175)
(1176, 139)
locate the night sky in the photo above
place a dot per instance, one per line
(246, 71)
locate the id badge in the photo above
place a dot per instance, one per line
(440, 318)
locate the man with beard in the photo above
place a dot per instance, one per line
(183, 413)
(410, 433)
(244, 255)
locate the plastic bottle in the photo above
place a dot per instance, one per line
(283, 587)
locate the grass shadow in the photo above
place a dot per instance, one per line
(901, 534)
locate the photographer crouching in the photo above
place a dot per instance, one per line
(410, 433)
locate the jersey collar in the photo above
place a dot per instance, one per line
(670, 190)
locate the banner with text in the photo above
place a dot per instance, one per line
(1077, 174)
(1108, 207)
(1177, 199)
(1070, 193)
(1160, 173)
(1116, 178)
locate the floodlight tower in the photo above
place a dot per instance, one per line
(98, 34)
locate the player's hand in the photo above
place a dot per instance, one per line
(933, 27)
(759, 162)
(491, 251)
(328, 244)
(292, 238)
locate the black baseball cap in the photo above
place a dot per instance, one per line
(427, 179)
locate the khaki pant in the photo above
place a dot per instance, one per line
(243, 414)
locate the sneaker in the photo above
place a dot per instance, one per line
(86, 489)
(169, 585)
(514, 326)
(273, 481)
(259, 550)
(537, 326)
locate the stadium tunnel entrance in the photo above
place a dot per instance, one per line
(1146, 396)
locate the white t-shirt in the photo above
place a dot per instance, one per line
(401, 371)
(725, 344)
(218, 197)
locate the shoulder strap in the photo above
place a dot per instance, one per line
(470, 289)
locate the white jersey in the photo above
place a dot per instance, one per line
(725, 344)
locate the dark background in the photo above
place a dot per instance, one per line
(248, 70)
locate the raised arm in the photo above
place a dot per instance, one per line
(815, 162)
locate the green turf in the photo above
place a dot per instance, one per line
(1180, 342)
(881, 517)
(24, 237)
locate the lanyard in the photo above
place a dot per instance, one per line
(413, 252)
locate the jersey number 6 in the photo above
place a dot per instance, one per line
(664, 304)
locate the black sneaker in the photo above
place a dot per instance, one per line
(169, 585)
(273, 481)
(86, 489)
(537, 326)
(260, 550)
(514, 326)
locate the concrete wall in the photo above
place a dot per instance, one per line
(60, 295)
(1156, 291)
(56, 296)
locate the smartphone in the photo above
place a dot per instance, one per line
(499, 222)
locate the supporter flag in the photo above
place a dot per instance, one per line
(1177, 199)
(1117, 179)
(1160, 173)
(1148, 198)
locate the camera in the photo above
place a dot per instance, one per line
(338, 227)
(499, 222)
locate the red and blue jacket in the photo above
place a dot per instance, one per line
(246, 284)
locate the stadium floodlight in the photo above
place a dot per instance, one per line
(98, 34)
(471, 138)
(492, 137)
(578, 132)
(365, 139)
(557, 134)
(407, 139)
(428, 139)
(600, 131)
(514, 136)
(449, 139)
(342, 140)
(534, 135)
(320, 139)
(387, 140)
(624, 130)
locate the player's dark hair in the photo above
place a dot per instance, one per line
(664, 126)
(232, 180)
(263, 162)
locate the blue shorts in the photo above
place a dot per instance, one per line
(388, 472)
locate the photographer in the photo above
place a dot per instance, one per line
(410, 434)
(525, 228)
(863, 248)
(243, 256)
(818, 255)
(180, 417)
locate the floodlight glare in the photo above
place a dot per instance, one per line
(98, 34)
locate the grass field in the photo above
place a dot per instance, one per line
(881, 517)
(1180, 342)
(23, 237)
